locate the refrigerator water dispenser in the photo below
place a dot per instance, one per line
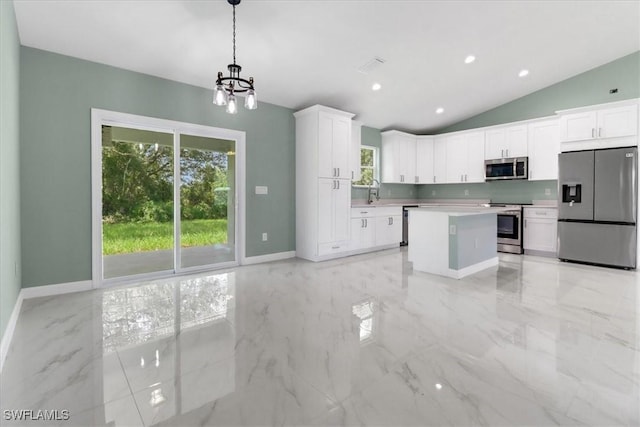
(571, 193)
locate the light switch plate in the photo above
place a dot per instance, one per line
(260, 189)
(547, 191)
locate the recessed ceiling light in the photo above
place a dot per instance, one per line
(469, 59)
(440, 110)
(376, 86)
(523, 73)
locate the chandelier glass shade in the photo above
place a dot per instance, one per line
(227, 87)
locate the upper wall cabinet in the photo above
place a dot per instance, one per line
(509, 141)
(398, 157)
(543, 148)
(440, 160)
(590, 127)
(465, 157)
(424, 160)
(356, 143)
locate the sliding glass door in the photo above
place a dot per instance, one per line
(167, 199)
(137, 201)
(207, 200)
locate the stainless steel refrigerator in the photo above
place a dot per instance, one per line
(597, 206)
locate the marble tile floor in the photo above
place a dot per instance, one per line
(362, 340)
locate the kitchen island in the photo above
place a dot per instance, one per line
(453, 241)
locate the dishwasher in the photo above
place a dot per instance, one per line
(405, 224)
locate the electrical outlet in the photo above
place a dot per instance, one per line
(264, 237)
(466, 192)
(452, 229)
(547, 191)
(433, 192)
(411, 192)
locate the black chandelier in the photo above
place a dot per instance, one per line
(227, 87)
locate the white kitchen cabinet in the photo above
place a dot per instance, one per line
(508, 141)
(356, 143)
(475, 156)
(543, 149)
(599, 123)
(540, 233)
(388, 229)
(334, 136)
(323, 204)
(439, 160)
(374, 228)
(398, 157)
(465, 157)
(424, 160)
(363, 228)
(456, 158)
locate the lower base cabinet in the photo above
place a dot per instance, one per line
(388, 230)
(540, 234)
(375, 227)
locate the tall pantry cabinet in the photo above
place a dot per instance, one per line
(323, 182)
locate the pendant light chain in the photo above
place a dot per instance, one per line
(234, 33)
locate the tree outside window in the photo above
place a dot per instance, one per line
(368, 166)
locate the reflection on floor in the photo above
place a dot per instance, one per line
(357, 341)
(151, 261)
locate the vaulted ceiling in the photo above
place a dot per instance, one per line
(306, 52)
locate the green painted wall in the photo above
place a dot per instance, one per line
(57, 93)
(9, 163)
(588, 88)
(498, 191)
(372, 137)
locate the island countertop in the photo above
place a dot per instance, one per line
(460, 210)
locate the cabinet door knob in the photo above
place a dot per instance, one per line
(593, 132)
(599, 132)
(338, 184)
(338, 171)
(366, 223)
(434, 178)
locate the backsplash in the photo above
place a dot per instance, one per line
(387, 191)
(498, 191)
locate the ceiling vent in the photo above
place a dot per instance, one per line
(370, 65)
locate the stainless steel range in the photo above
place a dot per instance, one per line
(509, 228)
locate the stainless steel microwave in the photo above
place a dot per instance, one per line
(511, 168)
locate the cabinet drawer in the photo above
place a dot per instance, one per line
(550, 213)
(363, 212)
(388, 211)
(332, 248)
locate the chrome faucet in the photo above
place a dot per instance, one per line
(374, 191)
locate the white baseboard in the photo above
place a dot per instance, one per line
(57, 289)
(464, 272)
(268, 258)
(8, 332)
